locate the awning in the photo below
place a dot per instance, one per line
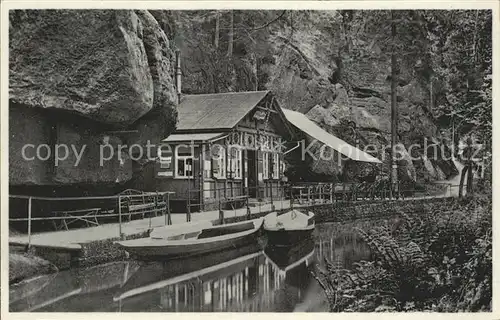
(300, 121)
(187, 137)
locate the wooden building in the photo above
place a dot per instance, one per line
(226, 145)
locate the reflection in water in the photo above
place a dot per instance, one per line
(252, 282)
(340, 244)
(242, 279)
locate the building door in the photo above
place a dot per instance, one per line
(252, 174)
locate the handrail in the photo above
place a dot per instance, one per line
(116, 206)
(90, 198)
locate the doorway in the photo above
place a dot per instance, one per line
(252, 173)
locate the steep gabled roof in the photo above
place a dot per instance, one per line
(216, 111)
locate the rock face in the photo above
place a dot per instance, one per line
(351, 99)
(76, 78)
(308, 66)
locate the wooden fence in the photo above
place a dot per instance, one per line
(65, 213)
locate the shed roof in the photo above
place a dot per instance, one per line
(217, 110)
(186, 137)
(300, 121)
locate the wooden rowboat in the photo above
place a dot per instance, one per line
(288, 228)
(194, 241)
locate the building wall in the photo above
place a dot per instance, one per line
(205, 190)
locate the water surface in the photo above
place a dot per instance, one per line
(250, 278)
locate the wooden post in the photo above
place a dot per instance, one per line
(168, 210)
(156, 204)
(221, 212)
(309, 195)
(331, 192)
(321, 193)
(188, 209)
(120, 217)
(282, 192)
(29, 223)
(202, 178)
(249, 212)
(271, 194)
(314, 196)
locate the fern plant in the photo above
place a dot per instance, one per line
(426, 260)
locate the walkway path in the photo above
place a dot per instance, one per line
(71, 239)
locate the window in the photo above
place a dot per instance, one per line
(165, 157)
(265, 165)
(235, 162)
(219, 162)
(184, 160)
(276, 159)
(207, 164)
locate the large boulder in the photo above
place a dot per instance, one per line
(80, 77)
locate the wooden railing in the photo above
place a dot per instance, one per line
(66, 212)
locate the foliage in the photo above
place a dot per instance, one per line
(450, 48)
(431, 262)
(215, 61)
(461, 58)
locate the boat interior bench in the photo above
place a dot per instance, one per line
(67, 217)
(223, 230)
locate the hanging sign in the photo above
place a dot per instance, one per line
(254, 141)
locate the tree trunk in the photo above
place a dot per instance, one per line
(230, 35)
(255, 72)
(394, 123)
(462, 180)
(217, 30)
(474, 42)
(232, 72)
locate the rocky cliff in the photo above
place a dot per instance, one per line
(347, 92)
(86, 78)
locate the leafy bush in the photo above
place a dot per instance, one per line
(424, 262)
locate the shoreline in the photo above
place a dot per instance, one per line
(94, 253)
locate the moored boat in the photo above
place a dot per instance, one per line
(192, 241)
(288, 228)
